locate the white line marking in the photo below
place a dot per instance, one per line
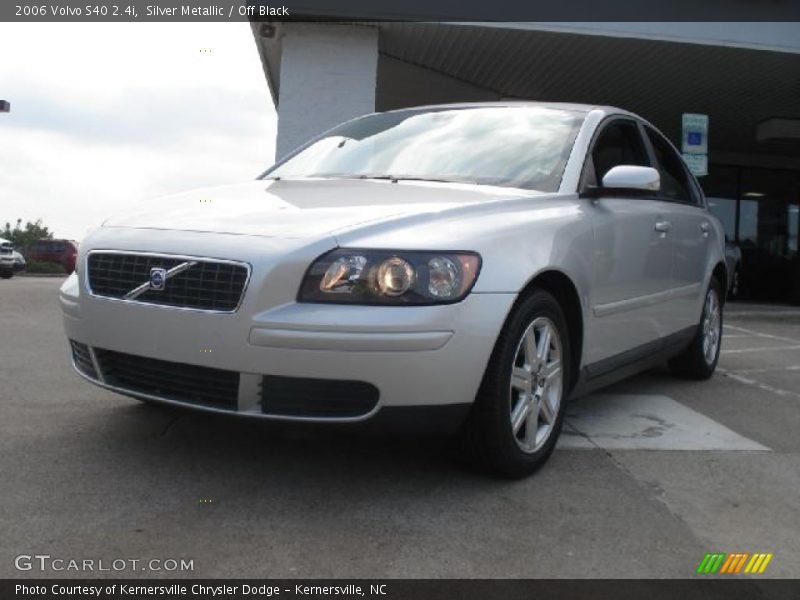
(764, 335)
(645, 422)
(769, 369)
(772, 349)
(762, 386)
(764, 313)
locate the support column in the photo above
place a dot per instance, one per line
(327, 75)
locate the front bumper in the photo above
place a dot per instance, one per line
(411, 356)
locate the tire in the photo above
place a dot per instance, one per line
(735, 289)
(7, 274)
(491, 442)
(699, 360)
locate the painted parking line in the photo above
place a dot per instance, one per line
(766, 312)
(760, 334)
(741, 378)
(768, 370)
(645, 422)
(769, 349)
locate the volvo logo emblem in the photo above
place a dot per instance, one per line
(158, 277)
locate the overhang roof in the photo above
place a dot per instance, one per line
(658, 79)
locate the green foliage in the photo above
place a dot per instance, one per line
(35, 266)
(22, 237)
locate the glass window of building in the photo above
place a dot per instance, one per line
(722, 193)
(767, 199)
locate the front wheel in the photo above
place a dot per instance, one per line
(7, 274)
(700, 359)
(519, 409)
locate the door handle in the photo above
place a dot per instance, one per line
(705, 227)
(663, 227)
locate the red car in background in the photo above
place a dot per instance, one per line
(63, 252)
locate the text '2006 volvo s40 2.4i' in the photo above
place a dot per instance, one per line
(473, 265)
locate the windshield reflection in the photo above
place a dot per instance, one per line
(515, 146)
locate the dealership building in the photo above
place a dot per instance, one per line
(744, 76)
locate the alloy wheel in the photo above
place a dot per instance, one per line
(712, 326)
(536, 385)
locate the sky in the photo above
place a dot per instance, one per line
(105, 115)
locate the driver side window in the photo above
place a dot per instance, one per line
(619, 143)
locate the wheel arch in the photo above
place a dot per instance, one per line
(562, 287)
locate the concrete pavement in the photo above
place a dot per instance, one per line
(88, 474)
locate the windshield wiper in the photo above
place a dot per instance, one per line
(396, 178)
(385, 177)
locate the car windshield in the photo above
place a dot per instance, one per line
(514, 146)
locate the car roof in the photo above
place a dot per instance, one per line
(574, 107)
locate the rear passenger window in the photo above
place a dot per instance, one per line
(619, 144)
(675, 183)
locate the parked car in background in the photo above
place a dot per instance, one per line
(63, 252)
(733, 260)
(6, 259)
(19, 261)
(475, 265)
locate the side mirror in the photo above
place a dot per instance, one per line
(628, 180)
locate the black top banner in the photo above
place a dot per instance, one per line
(397, 10)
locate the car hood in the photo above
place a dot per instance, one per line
(304, 207)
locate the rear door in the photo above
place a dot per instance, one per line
(632, 262)
(691, 233)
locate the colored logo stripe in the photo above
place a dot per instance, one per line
(734, 563)
(720, 562)
(758, 563)
(711, 562)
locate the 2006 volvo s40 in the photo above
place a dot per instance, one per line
(473, 265)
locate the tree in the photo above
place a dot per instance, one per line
(22, 237)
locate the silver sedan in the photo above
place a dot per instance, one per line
(469, 267)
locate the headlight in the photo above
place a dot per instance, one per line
(401, 277)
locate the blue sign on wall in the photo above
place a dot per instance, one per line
(694, 142)
(695, 133)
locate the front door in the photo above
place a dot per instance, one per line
(632, 260)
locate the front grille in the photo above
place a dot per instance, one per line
(82, 359)
(306, 397)
(176, 381)
(206, 285)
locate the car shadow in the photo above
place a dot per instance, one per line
(234, 451)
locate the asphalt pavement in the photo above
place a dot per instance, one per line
(650, 475)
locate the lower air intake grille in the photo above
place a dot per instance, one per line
(176, 381)
(82, 359)
(302, 397)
